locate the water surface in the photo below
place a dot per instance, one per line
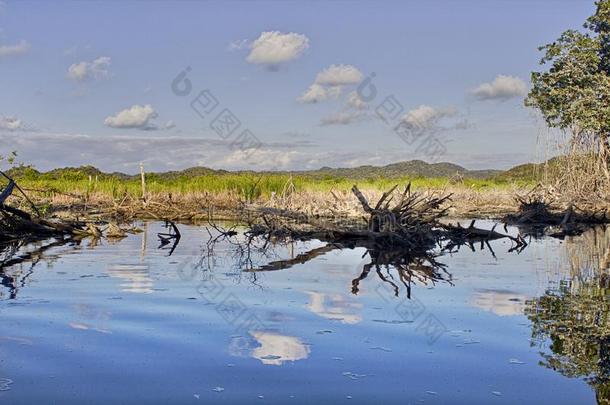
(124, 321)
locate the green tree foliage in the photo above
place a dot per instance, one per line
(574, 93)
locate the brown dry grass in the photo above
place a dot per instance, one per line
(465, 202)
(579, 176)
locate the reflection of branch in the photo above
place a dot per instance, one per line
(34, 255)
(366, 269)
(410, 268)
(300, 259)
(166, 238)
(385, 280)
(458, 236)
(12, 258)
(406, 251)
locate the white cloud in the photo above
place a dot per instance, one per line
(259, 158)
(11, 123)
(502, 88)
(354, 101)
(316, 93)
(96, 69)
(339, 75)
(329, 83)
(19, 48)
(138, 116)
(426, 116)
(169, 125)
(354, 110)
(344, 117)
(274, 47)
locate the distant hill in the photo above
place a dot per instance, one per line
(412, 168)
(527, 171)
(415, 168)
(533, 171)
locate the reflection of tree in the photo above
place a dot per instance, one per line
(396, 258)
(588, 256)
(253, 253)
(576, 319)
(409, 269)
(394, 267)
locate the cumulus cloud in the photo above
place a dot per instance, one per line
(96, 69)
(19, 48)
(330, 82)
(137, 116)
(502, 88)
(426, 116)
(339, 75)
(354, 110)
(273, 48)
(316, 93)
(259, 158)
(354, 101)
(11, 123)
(425, 120)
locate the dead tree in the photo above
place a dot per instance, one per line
(413, 222)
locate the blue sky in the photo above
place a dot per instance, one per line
(458, 68)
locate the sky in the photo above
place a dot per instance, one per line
(290, 85)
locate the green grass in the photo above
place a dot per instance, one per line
(248, 185)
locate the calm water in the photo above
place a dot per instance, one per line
(125, 322)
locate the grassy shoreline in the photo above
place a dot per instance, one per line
(85, 191)
(193, 201)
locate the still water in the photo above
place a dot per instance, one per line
(125, 321)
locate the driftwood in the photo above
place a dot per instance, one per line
(537, 215)
(16, 224)
(412, 223)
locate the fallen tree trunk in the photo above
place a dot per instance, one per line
(413, 223)
(16, 223)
